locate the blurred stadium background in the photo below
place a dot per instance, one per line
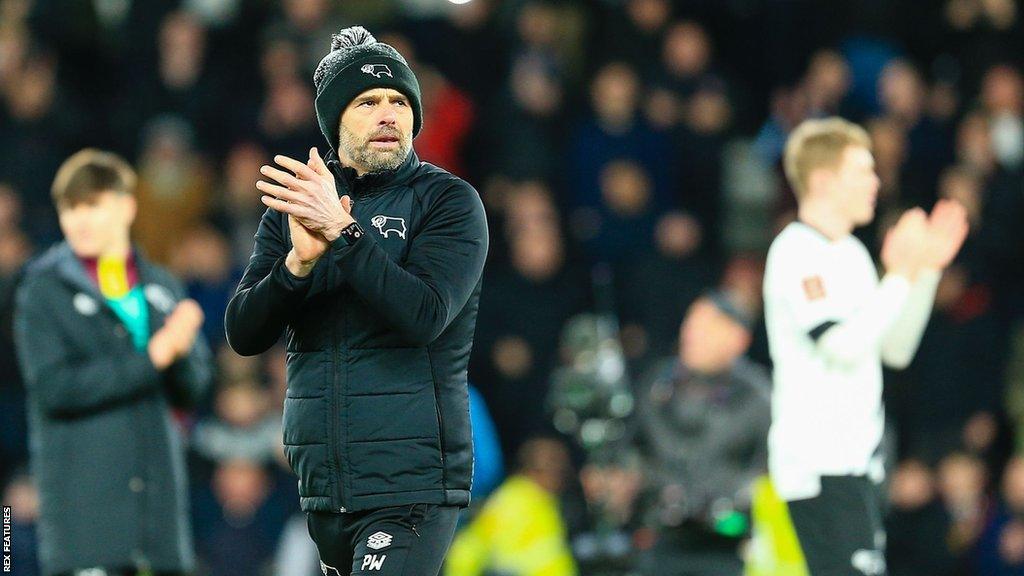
(628, 152)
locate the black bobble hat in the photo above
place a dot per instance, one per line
(356, 63)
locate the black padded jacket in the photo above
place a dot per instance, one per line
(378, 340)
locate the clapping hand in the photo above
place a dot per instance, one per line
(174, 340)
(904, 248)
(307, 193)
(947, 229)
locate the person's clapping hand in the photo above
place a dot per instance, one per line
(175, 339)
(307, 192)
(905, 247)
(947, 228)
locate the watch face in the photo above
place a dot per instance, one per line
(352, 232)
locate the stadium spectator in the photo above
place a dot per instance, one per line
(1000, 549)
(702, 419)
(527, 301)
(962, 481)
(615, 130)
(622, 224)
(519, 531)
(635, 35)
(239, 518)
(655, 287)
(960, 341)
(522, 125)
(43, 124)
(202, 259)
(236, 214)
(903, 93)
(175, 187)
(919, 524)
(243, 427)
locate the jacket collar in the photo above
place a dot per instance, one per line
(368, 184)
(71, 270)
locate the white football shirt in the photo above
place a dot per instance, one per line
(827, 415)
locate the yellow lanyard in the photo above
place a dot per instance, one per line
(112, 274)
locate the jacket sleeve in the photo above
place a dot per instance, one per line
(267, 294)
(188, 380)
(445, 262)
(65, 384)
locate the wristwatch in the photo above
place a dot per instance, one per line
(352, 232)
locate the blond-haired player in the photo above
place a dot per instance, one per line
(831, 325)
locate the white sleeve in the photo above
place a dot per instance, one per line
(847, 341)
(807, 289)
(901, 341)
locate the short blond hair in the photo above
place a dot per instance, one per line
(816, 144)
(89, 172)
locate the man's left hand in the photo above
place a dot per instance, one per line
(307, 192)
(946, 232)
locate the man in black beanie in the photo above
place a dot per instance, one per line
(370, 261)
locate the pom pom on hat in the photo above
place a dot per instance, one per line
(349, 37)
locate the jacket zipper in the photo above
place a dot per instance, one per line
(440, 424)
(335, 423)
(337, 386)
(336, 411)
(440, 428)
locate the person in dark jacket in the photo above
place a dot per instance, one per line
(702, 428)
(371, 263)
(107, 345)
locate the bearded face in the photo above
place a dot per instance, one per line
(384, 149)
(375, 132)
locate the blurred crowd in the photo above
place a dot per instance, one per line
(628, 153)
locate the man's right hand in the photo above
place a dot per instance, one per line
(947, 230)
(307, 248)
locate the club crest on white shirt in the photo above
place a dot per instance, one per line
(814, 288)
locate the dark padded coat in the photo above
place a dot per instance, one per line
(105, 452)
(378, 340)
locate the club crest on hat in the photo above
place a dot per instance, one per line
(377, 70)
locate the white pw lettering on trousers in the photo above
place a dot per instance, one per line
(371, 561)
